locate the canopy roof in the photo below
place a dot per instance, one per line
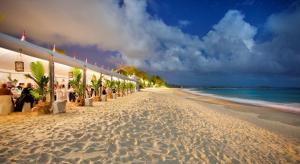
(11, 45)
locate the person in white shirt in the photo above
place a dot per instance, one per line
(59, 93)
(64, 91)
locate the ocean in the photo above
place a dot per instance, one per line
(281, 98)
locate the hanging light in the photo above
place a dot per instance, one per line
(54, 49)
(23, 37)
(19, 64)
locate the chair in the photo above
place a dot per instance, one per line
(6, 105)
(88, 102)
(59, 106)
(26, 107)
(103, 98)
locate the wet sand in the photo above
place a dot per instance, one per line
(278, 121)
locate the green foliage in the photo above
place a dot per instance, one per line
(123, 86)
(13, 81)
(107, 83)
(157, 81)
(128, 85)
(145, 80)
(118, 86)
(96, 83)
(110, 84)
(35, 94)
(131, 86)
(76, 82)
(38, 76)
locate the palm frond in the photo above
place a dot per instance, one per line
(37, 70)
(38, 76)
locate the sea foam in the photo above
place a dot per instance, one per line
(288, 107)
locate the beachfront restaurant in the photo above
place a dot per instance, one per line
(16, 55)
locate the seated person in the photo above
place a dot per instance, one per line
(72, 96)
(104, 91)
(25, 97)
(61, 93)
(4, 90)
(89, 91)
(19, 87)
(64, 92)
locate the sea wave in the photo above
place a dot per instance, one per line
(288, 107)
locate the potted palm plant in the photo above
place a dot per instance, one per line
(39, 93)
(131, 87)
(122, 88)
(118, 88)
(78, 86)
(113, 89)
(109, 85)
(96, 83)
(128, 88)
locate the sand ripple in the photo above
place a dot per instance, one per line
(153, 126)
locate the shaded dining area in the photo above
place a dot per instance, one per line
(36, 79)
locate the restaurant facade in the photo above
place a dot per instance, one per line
(17, 54)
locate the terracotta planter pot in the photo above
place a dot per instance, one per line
(42, 108)
(79, 101)
(103, 97)
(110, 95)
(96, 98)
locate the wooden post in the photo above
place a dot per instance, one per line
(101, 85)
(84, 84)
(137, 86)
(51, 78)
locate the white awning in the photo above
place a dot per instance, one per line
(12, 45)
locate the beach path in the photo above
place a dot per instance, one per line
(154, 125)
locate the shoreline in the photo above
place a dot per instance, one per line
(283, 122)
(285, 107)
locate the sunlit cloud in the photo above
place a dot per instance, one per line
(149, 43)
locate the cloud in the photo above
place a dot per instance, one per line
(228, 46)
(284, 47)
(149, 43)
(141, 39)
(184, 23)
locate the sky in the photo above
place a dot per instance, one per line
(187, 42)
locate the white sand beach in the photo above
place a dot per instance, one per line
(154, 125)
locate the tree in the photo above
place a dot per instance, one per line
(77, 85)
(123, 87)
(157, 81)
(131, 86)
(96, 83)
(118, 87)
(145, 79)
(38, 76)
